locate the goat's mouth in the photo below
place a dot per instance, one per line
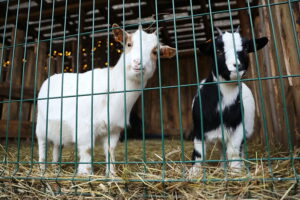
(241, 73)
(138, 69)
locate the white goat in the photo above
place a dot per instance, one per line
(140, 59)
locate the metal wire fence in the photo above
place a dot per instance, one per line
(159, 161)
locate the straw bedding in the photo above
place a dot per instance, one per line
(140, 180)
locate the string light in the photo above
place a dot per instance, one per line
(6, 63)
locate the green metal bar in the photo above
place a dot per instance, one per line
(11, 83)
(261, 95)
(35, 92)
(155, 88)
(77, 90)
(92, 92)
(22, 92)
(1, 63)
(178, 89)
(160, 180)
(3, 40)
(108, 84)
(219, 92)
(125, 85)
(160, 99)
(62, 92)
(240, 87)
(198, 85)
(159, 162)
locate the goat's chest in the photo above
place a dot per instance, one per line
(216, 109)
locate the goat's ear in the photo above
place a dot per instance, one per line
(260, 43)
(167, 51)
(206, 47)
(119, 33)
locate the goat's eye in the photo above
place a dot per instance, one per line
(129, 44)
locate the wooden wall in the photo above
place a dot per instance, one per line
(271, 63)
(170, 98)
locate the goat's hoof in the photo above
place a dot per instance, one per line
(194, 172)
(42, 168)
(84, 172)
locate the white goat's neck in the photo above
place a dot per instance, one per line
(117, 84)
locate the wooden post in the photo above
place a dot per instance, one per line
(291, 63)
(58, 66)
(29, 82)
(16, 70)
(74, 56)
(42, 63)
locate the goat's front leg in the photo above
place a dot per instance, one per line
(109, 146)
(198, 155)
(85, 166)
(42, 153)
(235, 149)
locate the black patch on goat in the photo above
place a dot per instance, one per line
(232, 115)
(195, 155)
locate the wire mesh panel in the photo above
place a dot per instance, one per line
(130, 99)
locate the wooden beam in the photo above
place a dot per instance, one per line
(206, 22)
(60, 10)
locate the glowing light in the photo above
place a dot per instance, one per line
(111, 44)
(106, 63)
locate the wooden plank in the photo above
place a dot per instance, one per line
(15, 58)
(16, 92)
(42, 63)
(26, 129)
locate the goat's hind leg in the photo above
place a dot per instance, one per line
(109, 150)
(235, 149)
(198, 155)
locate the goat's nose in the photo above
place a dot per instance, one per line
(238, 66)
(137, 61)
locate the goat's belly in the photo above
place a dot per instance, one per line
(56, 134)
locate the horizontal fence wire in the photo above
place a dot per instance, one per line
(162, 164)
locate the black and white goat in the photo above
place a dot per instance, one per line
(229, 65)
